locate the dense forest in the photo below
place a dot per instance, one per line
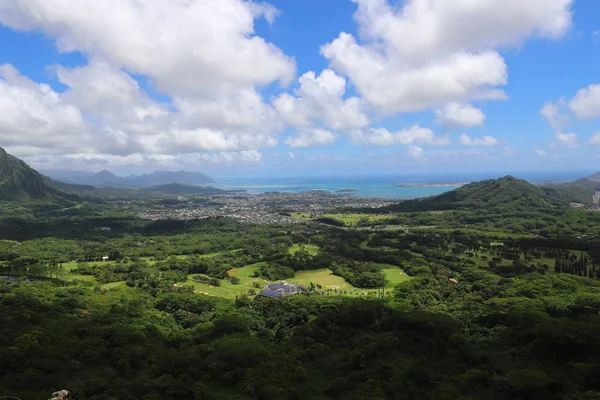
(488, 292)
(521, 321)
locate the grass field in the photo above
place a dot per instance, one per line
(348, 219)
(393, 275)
(312, 249)
(323, 277)
(227, 290)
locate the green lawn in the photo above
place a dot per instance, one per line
(323, 277)
(312, 249)
(227, 290)
(393, 275)
(348, 219)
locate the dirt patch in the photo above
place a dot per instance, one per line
(233, 271)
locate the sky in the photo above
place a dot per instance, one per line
(235, 88)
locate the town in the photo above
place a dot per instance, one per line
(266, 208)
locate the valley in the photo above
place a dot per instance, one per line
(209, 294)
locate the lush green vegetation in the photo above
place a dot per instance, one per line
(344, 219)
(475, 299)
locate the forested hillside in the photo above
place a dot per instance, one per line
(482, 301)
(19, 181)
(507, 192)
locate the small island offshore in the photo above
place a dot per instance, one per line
(455, 184)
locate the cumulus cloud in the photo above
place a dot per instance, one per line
(196, 53)
(32, 114)
(568, 139)
(586, 102)
(466, 140)
(416, 153)
(92, 161)
(552, 111)
(424, 54)
(194, 47)
(411, 136)
(539, 152)
(319, 100)
(460, 115)
(311, 137)
(595, 138)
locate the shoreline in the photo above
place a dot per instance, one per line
(454, 184)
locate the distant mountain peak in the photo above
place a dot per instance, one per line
(106, 178)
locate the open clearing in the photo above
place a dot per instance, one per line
(393, 275)
(311, 249)
(348, 219)
(227, 289)
(323, 277)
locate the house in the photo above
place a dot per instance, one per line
(102, 228)
(283, 289)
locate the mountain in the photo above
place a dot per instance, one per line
(167, 177)
(177, 188)
(594, 177)
(18, 181)
(506, 192)
(106, 178)
(580, 190)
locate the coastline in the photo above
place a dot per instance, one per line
(454, 184)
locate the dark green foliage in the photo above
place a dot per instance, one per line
(581, 190)
(18, 181)
(276, 272)
(503, 192)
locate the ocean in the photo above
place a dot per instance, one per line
(383, 186)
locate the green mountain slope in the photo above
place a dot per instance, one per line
(18, 181)
(580, 190)
(506, 192)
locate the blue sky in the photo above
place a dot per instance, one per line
(341, 87)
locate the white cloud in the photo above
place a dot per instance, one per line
(424, 54)
(319, 100)
(466, 140)
(508, 151)
(586, 103)
(410, 136)
(539, 152)
(416, 153)
(460, 115)
(197, 53)
(568, 139)
(93, 161)
(553, 114)
(310, 137)
(595, 139)
(32, 114)
(186, 47)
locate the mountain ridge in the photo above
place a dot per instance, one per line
(507, 191)
(18, 181)
(106, 178)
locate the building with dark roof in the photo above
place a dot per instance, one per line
(283, 289)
